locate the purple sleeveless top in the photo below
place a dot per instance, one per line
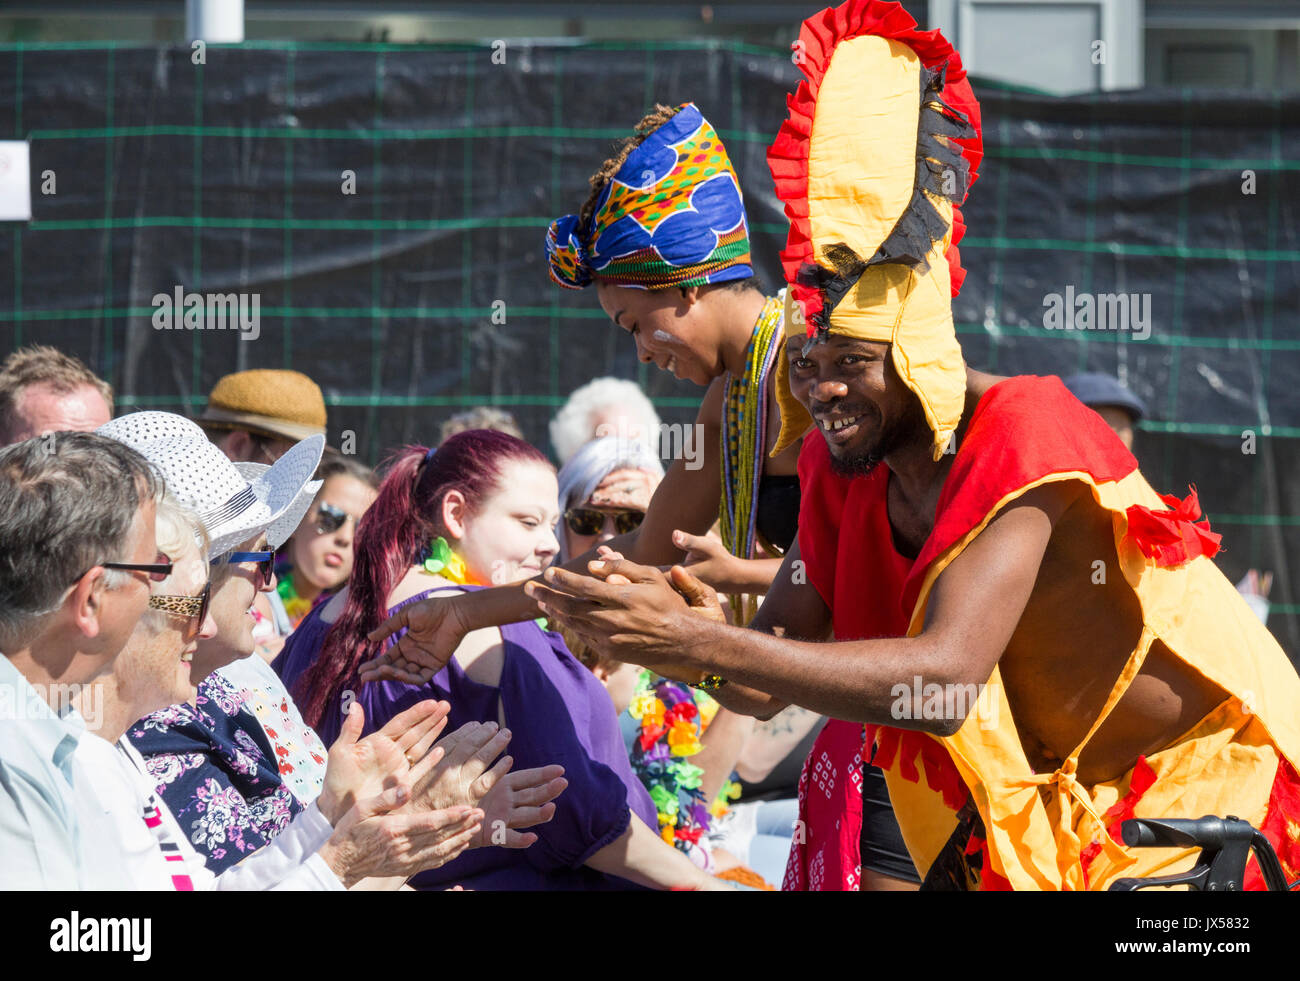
(557, 712)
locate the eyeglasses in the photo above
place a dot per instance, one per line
(185, 606)
(265, 563)
(589, 521)
(158, 571)
(330, 519)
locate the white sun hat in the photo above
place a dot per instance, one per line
(232, 507)
(284, 526)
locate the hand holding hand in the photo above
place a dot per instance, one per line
(434, 629)
(709, 561)
(626, 611)
(699, 596)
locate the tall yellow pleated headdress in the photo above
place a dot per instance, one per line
(880, 146)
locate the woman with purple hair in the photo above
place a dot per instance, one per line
(479, 511)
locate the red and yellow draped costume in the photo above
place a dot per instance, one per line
(1048, 830)
(856, 164)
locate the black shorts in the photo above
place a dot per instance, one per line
(882, 845)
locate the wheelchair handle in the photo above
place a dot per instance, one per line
(1225, 843)
(1206, 832)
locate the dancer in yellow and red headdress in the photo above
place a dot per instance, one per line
(1037, 643)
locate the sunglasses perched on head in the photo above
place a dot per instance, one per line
(330, 519)
(185, 606)
(265, 562)
(589, 521)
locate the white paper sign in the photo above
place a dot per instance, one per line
(15, 181)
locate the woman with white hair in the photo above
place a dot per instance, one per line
(605, 407)
(154, 670)
(605, 489)
(604, 492)
(223, 771)
(212, 758)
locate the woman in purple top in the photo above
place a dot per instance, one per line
(483, 509)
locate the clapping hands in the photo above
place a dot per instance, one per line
(464, 775)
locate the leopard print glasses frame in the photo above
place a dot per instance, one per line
(184, 606)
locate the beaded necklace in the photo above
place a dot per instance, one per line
(744, 434)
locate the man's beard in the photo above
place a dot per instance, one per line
(857, 465)
(861, 462)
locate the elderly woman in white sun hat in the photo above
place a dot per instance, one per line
(220, 770)
(153, 671)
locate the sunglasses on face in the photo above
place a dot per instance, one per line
(265, 563)
(589, 521)
(330, 519)
(158, 570)
(185, 606)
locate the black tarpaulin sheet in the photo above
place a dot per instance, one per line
(387, 205)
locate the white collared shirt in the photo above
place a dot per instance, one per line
(54, 833)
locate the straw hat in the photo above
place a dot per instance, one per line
(286, 404)
(232, 507)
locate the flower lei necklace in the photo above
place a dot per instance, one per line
(295, 606)
(672, 720)
(442, 561)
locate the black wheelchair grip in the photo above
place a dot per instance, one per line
(1206, 832)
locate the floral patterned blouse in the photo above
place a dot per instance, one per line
(218, 773)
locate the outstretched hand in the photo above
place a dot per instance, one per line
(434, 629)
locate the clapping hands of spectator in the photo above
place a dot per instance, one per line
(363, 768)
(463, 774)
(376, 838)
